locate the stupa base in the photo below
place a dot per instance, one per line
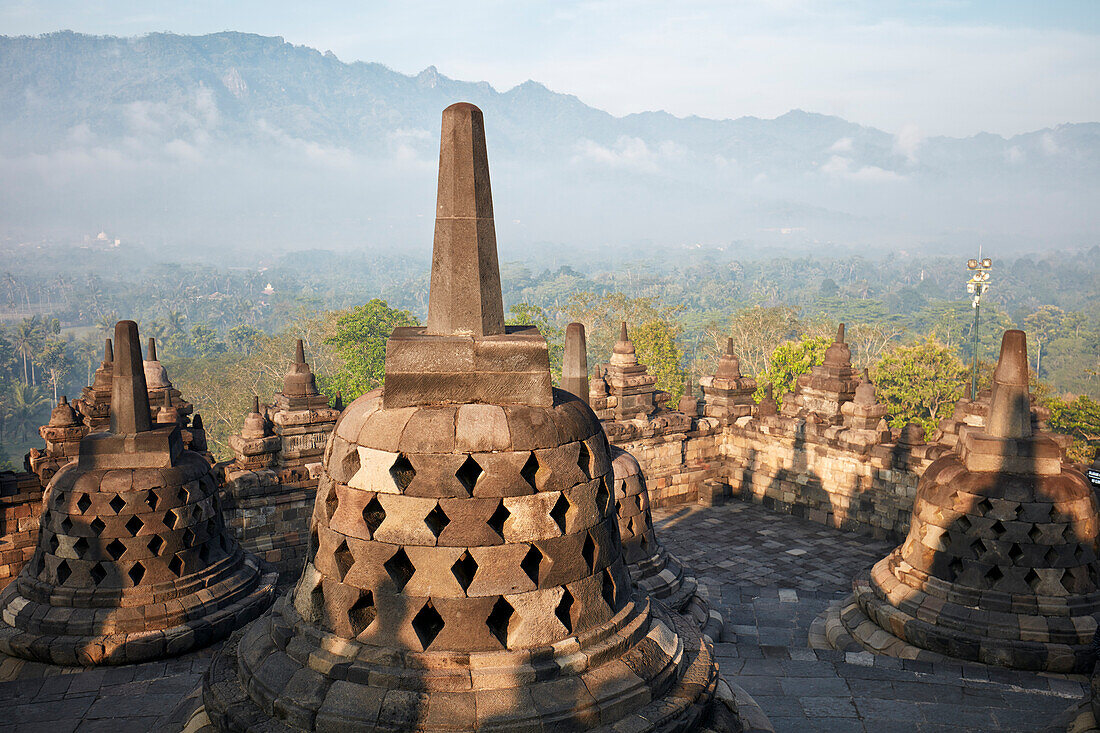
(645, 670)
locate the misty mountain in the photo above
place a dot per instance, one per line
(237, 142)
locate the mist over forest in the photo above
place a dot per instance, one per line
(230, 146)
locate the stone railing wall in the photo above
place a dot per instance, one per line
(268, 517)
(20, 508)
(788, 465)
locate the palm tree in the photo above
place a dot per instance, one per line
(25, 337)
(26, 406)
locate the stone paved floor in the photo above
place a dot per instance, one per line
(774, 574)
(771, 574)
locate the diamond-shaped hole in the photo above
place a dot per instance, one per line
(332, 501)
(98, 573)
(956, 568)
(1051, 557)
(500, 516)
(189, 537)
(176, 566)
(983, 507)
(171, 519)
(151, 499)
(964, 523)
(602, 497)
(588, 552)
(115, 549)
(1033, 579)
(54, 544)
(464, 569)
(63, 572)
(155, 544)
(1069, 536)
(499, 619)
(530, 564)
(998, 529)
(608, 589)
(993, 575)
(374, 515)
(66, 525)
(97, 526)
(402, 472)
(117, 504)
(468, 473)
(344, 559)
(530, 470)
(81, 546)
(563, 608)
(560, 512)
(362, 612)
(83, 503)
(1035, 533)
(399, 568)
(1015, 553)
(182, 495)
(59, 499)
(584, 460)
(437, 521)
(427, 624)
(204, 553)
(136, 573)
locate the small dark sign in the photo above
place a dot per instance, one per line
(1094, 476)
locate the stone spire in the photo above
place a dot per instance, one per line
(623, 353)
(465, 296)
(1010, 407)
(574, 371)
(94, 403)
(156, 377)
(465, 353)
(820, 393)
(129, 394)
(729, 366)
(299, 381)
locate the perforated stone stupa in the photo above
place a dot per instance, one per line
(133, 562)
(1000, 564)
(465, 569)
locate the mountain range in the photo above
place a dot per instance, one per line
(239, 143)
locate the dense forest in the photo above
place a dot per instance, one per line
(225, 333)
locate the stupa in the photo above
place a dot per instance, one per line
(1000, 564)
(133, 562)
(62, 435)
(465, 570)
(727, 395)
(822, 391)
(302, 419)
(94, 404)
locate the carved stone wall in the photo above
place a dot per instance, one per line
(20, 509)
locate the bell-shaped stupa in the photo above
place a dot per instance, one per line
(133, 560)
(1000, 564)
(465, 570)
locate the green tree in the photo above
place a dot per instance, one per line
(243, 339)
(1078, 417)
(360, 341)
(919, 383)
(54, 361)
(788, 361)
(204, 341)
(26, 407)
(1043, 326)
(655, 345)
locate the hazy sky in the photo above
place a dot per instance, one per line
(951, 67)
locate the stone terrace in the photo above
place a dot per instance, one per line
(770, 575)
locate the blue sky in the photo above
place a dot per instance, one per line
(951, 67)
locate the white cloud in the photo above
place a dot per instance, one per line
(630, 153)
(840, 167)
(1014, 155)
(907, 141)
(843, 145)
(1048, 144)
